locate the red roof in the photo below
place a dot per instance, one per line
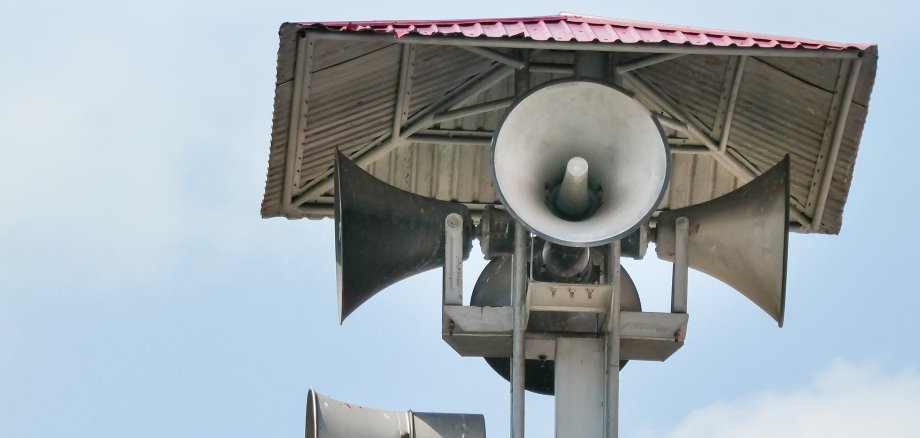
(568, 27)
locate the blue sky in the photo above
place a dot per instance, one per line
(142, 295)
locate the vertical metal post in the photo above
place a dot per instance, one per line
(518, 288)
(453, 260)
(679, 274)
(580, 365)
(613, 344)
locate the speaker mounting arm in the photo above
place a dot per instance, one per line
(681, 266)
(453, 260)
(486, 331)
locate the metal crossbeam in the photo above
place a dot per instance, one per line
(732, 100)
(302, 76)
(472, 110)
(681, 120)
(646, 62)
(496, 56)
(837, 139)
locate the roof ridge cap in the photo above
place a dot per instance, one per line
(597, 19)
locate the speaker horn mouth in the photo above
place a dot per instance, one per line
(544, 146)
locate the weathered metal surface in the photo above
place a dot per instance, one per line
(783, 105)
(580, 366)
(384, 235)
(643, 335)
(740, 238)
(331, 418)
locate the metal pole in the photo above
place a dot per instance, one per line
(518, 287)
(613, 344)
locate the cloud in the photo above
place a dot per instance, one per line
(843, 401)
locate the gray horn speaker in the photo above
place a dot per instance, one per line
(331, 418)
(384, 234)
(580, 163)
(740, 238)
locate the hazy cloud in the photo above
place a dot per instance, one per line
(844, 400)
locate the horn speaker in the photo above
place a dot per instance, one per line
(580, 163)
(740, 238)
(331, 418)
(493, 289)
(384, 234)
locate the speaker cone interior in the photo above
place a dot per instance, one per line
(589, 143)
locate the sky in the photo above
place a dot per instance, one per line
(142, 295)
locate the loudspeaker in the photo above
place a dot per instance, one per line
(493, 289)
(384, 234)
(331, 418)
(580, 163)
(740, 238)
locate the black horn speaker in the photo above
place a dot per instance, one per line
(384, 234)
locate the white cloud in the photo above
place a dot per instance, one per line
(842, 401)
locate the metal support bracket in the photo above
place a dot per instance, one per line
(565, 297)
(453, 260)
(679, 273)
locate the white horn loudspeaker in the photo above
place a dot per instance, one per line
(580, 163)
(331, 418)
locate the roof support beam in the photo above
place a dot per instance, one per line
(732, 100)
(685, 123)
(496, 56)
(458, 132)
(449, 139)
(839, 125)
(515, 43)
(647, 61)
(424, 119)
(689, 149)
(472, 110)
(406, 70)
(688, 124)
(300, 102)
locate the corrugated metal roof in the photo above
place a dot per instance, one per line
(354, 86)
(582, 28)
